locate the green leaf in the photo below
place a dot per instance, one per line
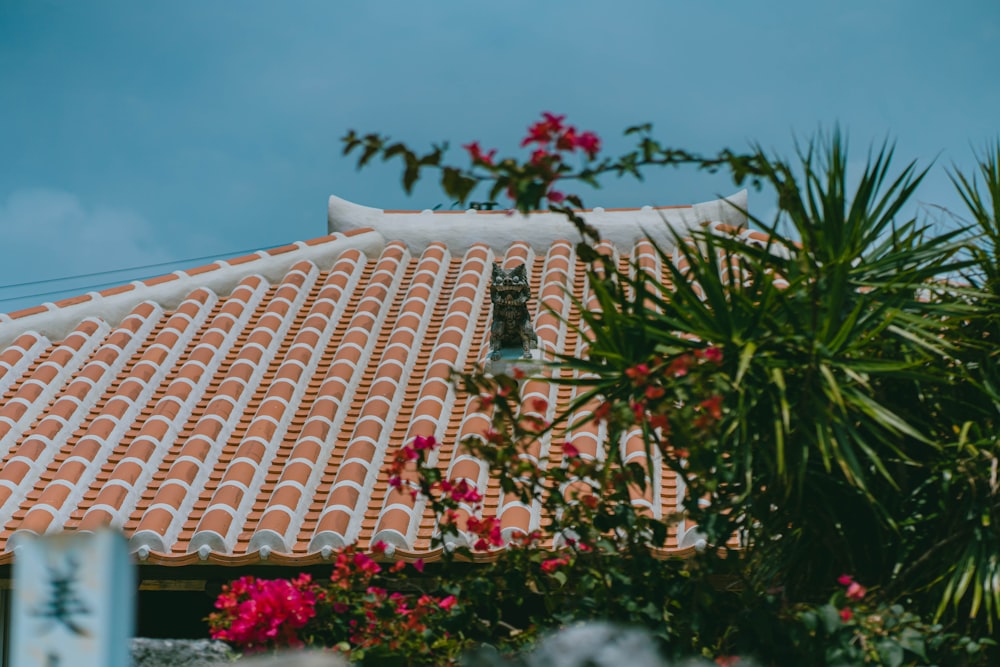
(890, 652)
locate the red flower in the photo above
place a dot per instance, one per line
(638, 373)
(448, 602)
(464, 492)
(553, 564)
(639, 410)
(846, 614)
(590, 143)
(567, 141)
(654, 392)
(602, 411)
(712, 407)
(543, 131)
(418, 565)
(661, 422)
(366, 564)
(856, 591)
(554, 121)
(256, 613)
(540, 404)
(713, 354)
(422, 442)
(538, 157)
(570, 450)
(679, 366)
(845, 580)
(493, 436)
(555, 196)
(477, 155)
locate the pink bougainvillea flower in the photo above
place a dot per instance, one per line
(465, 492)
(418, 565)
(478, 156)
(661, 422)
(539, 156)
(555, 196)
(638, 373)
(654, 392)
(570, 450)
(567, 140)
(552, 564)
(364, 563)
(539, 133)
(602, 411)
(846, 614)
(554, 121)
(638, 410)
(856, 591)
(679, 366)
(712, 407)
(845, 580)
(713, 354)
(590, 143)
(448, 602)
(422, 442)
(256, 613)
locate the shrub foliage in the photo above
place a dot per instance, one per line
(829, 399)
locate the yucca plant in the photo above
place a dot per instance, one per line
(954, 519)
(838, 340)
(830, 396)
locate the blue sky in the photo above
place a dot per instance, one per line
(135, 134)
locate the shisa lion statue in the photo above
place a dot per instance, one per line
(510, 293)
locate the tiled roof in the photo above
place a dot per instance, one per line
(247, 410)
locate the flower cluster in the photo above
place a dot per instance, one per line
(413, 452)
(552, 132)
(656, 392)
(854, 592)
(260, 613)
(355, 612)
(552, 139)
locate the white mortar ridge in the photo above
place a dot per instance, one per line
(418, 229)
(201, 536)
(58, 321)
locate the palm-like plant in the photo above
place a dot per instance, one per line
(842, 342)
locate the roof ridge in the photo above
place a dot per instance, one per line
(55, 320)
(462, 229)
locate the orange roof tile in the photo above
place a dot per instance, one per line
(247, 410)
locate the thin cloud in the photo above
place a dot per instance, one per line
(50, 233)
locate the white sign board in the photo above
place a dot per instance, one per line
(74, 601)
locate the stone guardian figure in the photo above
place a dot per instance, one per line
(510, 293)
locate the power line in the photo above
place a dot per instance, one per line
(110, 271)
(79, 288)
